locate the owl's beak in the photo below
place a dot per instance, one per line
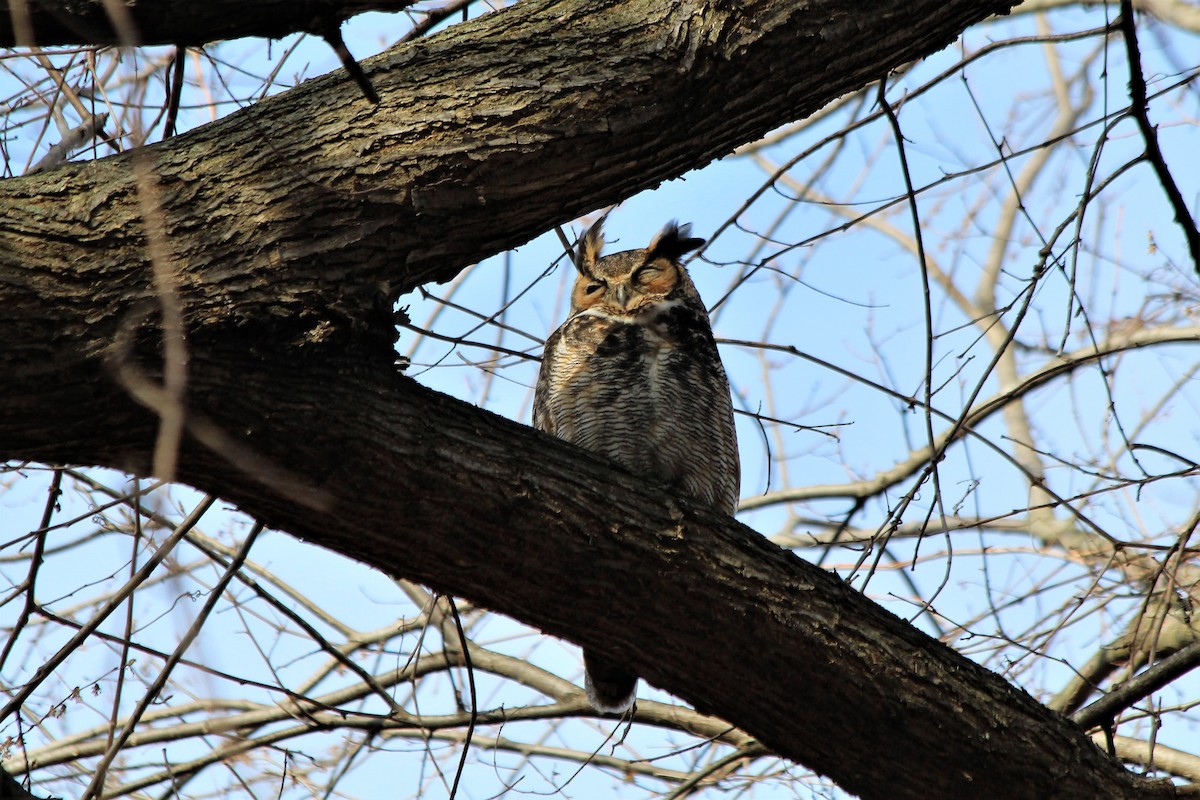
(622, 293)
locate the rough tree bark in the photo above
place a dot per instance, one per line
(290, 227)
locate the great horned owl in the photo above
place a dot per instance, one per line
(634, 375)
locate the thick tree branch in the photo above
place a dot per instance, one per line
(432, 489)
(485, 136)
(292, 225)
(47, 23)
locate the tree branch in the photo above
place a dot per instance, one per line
(1104, 710)
(1140, 108)
(432, 489)
(412, 190)
(45, 23)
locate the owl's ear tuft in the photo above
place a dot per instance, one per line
(588, 251)
(673, 241)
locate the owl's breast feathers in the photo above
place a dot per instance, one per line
(647, 391)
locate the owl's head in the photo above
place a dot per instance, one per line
(633, 281)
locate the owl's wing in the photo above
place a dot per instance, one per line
(543, 420)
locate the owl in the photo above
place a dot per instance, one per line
(634, 375)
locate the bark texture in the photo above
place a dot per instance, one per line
(290, 227)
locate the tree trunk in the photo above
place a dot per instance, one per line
(289, 228)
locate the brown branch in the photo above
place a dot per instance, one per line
(18, 697)
(29, 585)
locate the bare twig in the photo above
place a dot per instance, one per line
(1140, 109)
(177, 67)
(936, 453)
(332, 34)
(433, 17)
(96, 786)
(19, 696)
(474, 709)
(35, 562)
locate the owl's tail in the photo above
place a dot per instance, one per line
(610, 687)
